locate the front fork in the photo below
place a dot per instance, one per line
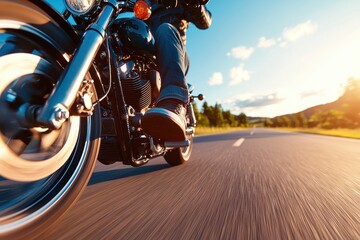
(56, 109)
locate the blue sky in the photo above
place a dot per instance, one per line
(267, 58)
(311, 48)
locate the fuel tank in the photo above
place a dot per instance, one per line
(134, 34)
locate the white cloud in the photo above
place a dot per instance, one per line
(266, 43)
(260, 100)
(283, 44)
(216, 79)
(254, 104)
(241, 52)
(299, 31)
(238, 75)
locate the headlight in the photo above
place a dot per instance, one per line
(79, 7)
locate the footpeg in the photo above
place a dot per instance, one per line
(170, 145)
(190, 131)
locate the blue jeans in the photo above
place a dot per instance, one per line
(173, 63)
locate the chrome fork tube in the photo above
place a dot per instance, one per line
(56, 108)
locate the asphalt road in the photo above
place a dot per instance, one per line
(253, 184)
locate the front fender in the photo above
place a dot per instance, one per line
(42, 19)
(40, 15)
(73, 38)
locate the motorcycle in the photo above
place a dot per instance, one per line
(73, 90)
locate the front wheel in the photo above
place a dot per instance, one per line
(179, 156)
(42, 171)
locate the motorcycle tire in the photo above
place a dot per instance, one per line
(179, 156)
(33, 51)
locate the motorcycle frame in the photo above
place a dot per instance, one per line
(121, 116)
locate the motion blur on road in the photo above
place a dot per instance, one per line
(252, 184)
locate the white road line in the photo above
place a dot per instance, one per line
(253, 131)
(239, 142)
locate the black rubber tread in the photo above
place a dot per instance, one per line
(180, 155)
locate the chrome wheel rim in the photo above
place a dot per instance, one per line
(185, 150)
(44, 152)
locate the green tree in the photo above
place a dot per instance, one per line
(196, 111)
(328, 119)
(243, 120)
(205, 108)
(201, 119)
(286, 121)
(229, 119)
(351, 108)
(218, 116)
(301, 119)
(208, 113)
(278, 122)
(294, 121)
(267, 122)
(317, 119)
(334, 119)
(215, 116)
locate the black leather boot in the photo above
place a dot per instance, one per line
(166, 121)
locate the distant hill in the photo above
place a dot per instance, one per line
(348, 102)
(256, 120)
(322, 107)
(342, 113)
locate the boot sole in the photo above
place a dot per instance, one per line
(163, 124)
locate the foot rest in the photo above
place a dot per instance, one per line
(185, 143)
(190, 131)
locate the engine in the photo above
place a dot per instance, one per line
(140, 86)
(137, 91)
(140, 83)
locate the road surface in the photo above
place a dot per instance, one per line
(252, 184)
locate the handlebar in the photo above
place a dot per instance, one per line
(174, 3)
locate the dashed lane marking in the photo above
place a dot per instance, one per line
(253, 131)
(239, 142)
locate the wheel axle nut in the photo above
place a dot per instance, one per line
(61, 114)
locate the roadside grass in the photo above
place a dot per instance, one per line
(212, 130)
(341, 132)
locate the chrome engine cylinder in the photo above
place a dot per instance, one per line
(137, 91)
